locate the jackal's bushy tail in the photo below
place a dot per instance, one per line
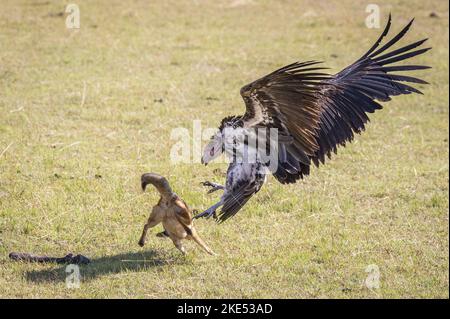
(161, 184)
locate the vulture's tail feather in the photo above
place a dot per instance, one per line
(161, 184)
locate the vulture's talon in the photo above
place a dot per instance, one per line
(214, 189)
(214, 186)
(206, 214)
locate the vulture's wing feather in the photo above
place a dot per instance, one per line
(322, 111)
(236, 199)
(286, 99)
(353, 92)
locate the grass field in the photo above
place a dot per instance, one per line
(85, 112)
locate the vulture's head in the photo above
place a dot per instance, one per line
(221, 139)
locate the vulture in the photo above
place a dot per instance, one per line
(312, 113)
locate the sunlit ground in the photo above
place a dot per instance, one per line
(85, 112)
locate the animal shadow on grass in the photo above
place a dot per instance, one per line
(136, 262)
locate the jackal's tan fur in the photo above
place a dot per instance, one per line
(173, 213)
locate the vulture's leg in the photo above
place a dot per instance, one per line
(179, 245)
(214, 186)
(210, 211)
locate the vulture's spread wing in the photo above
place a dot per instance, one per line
(351, 93)
(287, 99)
(322, 111)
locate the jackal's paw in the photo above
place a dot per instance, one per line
(162, 234)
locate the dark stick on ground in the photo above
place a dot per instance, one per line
(68, 259)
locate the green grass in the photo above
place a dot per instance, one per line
(69, 180)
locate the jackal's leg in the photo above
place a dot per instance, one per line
(179, 245)
(154, 219)
(214, 186)
(199, 241)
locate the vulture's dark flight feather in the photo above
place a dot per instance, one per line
(316, 112)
